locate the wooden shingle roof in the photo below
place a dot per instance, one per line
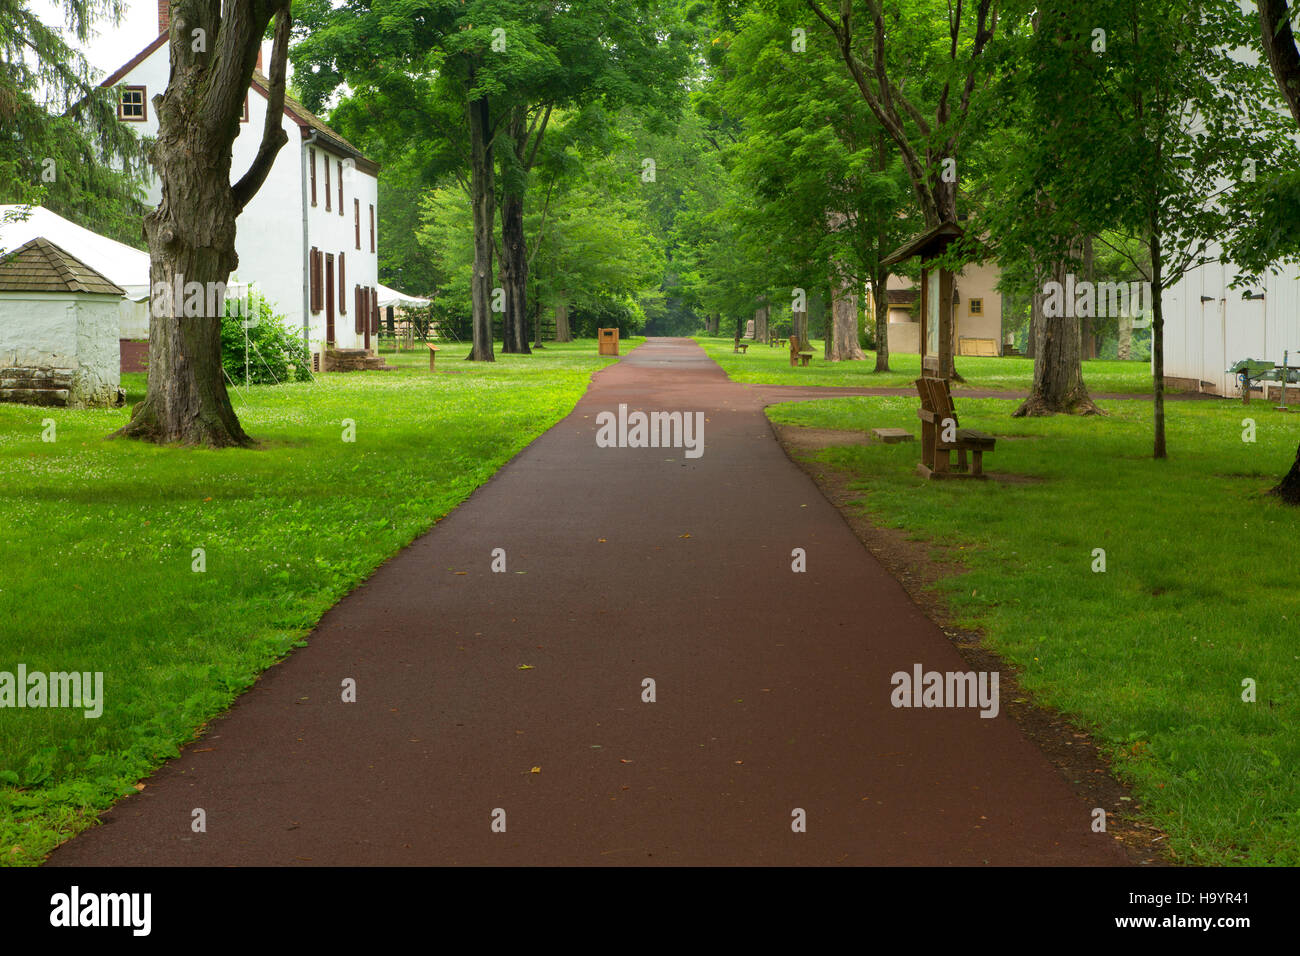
(41, 266)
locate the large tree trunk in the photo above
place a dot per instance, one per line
(1058, 371)
(760, 323)
(483, 199)
(562, 333)
(880, 297)
(191, 235)
(514, 275)
(842, 342)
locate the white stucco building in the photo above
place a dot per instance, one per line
(309, 238)
(58, 329)
(977, 308)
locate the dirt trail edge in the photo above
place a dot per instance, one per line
(517, 696)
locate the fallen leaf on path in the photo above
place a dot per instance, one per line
(536, 770)
(139, 786)
(683, 536)
(525, 667)
(621, 760)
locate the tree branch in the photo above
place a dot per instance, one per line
(273, 134)
(1280, 50)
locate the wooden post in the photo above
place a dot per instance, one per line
(433, 354)
(1285, 375)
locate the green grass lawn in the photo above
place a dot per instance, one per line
(1199, 593)
(770, 365)
(99, 538)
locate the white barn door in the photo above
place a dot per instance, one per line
(1245, 333)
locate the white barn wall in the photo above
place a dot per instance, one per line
(1203, 338)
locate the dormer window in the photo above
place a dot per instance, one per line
(132, 105)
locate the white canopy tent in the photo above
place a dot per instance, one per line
(389, 297)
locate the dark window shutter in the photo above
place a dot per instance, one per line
(356, 211)
(372, 228)
(312, 154)
(314, 261)
(340, 188)
(374, 311)
(343, 285)
(327, 184)
(359, 317)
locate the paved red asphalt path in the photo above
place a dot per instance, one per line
(773, 688)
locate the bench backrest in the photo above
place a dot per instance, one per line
(936, 397)
(794, 345)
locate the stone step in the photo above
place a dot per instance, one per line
(354, 360)
(35, 396)
(14, 377)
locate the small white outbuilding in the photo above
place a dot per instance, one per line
(59, 324)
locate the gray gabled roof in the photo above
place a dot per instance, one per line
(41, 266)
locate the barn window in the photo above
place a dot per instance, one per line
(132, 106)
(976, 306)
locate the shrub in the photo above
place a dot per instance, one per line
(275, 354)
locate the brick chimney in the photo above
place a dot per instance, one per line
(164, 15)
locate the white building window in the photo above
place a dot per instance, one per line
(132, 106)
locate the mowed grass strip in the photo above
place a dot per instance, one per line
(1199, 592)
(770, 365)
(98, 551)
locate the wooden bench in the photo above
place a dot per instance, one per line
(797, 354)
(741, 347)
(937, 417)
